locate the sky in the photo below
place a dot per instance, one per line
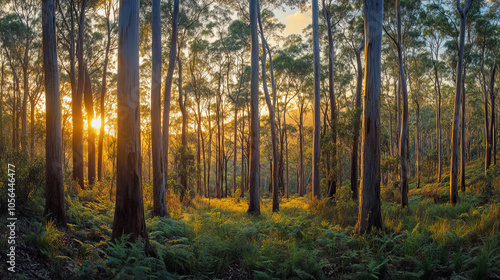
(294, 20)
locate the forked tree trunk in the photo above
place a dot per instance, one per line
(54, 187)
(253, 203)
(272, 120)
(316, 190)
(168, 87)
(458, 99)
(403, 146)
(159, 195)
(369, 201)
(129, 207)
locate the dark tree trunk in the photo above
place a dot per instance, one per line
(369, 202)
(100, 166)
(129, 207)
(159, 195)
(253, 203)
(89, 107)
(458, 98)
(77, 106)
(168, 87)
(492, 141)
(54, 187)
(462, 136)
(316, 190)
(438, 117)
(355, 139)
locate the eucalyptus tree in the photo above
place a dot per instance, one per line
(316, 123)
(369, 214)
(54, 186)
(129, 207)
(458, 100)
(254, 184)
(159, 195)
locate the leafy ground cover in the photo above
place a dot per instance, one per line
(216, 239)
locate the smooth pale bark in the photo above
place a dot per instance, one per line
(253, 180)
(183, 176)
(417, 143)
(437, 87)
(369, 214)
(272, 118)
(129, 207)
(301, 150)
(168, 87)
(458, 99)
(490, 136)
(76, 106)
(355, 138)
(159, 195)
(403, 146)
(331, 93)
(316, 190)
(100, 145)
(54, 187)
(89, 107)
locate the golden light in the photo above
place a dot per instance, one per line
(96, 123)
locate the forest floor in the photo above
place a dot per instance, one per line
(216, 239)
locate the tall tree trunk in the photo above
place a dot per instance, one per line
(403, 147)
(272, 120)
(183, 175)
(77, 106)
(209, 146)
(89, 107)
(489, 129)
(492, 140)
(301, 151)
(331, 92)
(24, 108)
(100, 165)
(462, 136)
(168, 87)
(2, 82)
(458, 98)
(437, 86)
(253, 203)
(369, 200)
(32, 129)
(417, 143)
(316, 190)
(355, 139)
(129, 207)
(159, 194)
(243, 169)
(54, 187)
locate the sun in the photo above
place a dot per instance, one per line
(96, 123)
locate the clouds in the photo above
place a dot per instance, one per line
(296, 22)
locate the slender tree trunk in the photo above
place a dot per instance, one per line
(438, 118)
(462, 137)
(316, 190)
(417, 143)
(333, 180)
(301, 151)
(254, 176)
(168, 87)
(243, 169)
(54, 187)
(32, 128)
(77, 106)
(369, 201)
(272, 120)
(129, 209)
(489, 129)
(403, 147)
(355, 139)
(159, 194)
(458, 98)
(89, 107)
(24, 107)
(183, 175)
(100, 166)
(492, 140)
(209, 147)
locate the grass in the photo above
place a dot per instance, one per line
(216, 239)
